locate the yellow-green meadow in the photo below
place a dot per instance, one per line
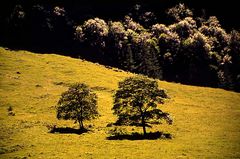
(206, 121)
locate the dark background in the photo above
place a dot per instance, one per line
(32, 36)
(227, 11)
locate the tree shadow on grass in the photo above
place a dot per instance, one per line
(139, 136)
(68, 130)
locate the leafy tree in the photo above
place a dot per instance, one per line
(184, 28)
(200, 68)
(159, 29)
(235, 54)
(92, 35)
(77, 103)
(130, 51)
(149, 49)
(116, 42)
(225, 74)
(179, 12)
(136, 103)
(130, 24)
(169, 44)
(216, 34)
(94, 32)
(221, 47)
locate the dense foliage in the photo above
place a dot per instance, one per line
(77, 103)
(190, 50)
(136, 103)
(184, 47)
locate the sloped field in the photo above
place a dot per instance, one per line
(206, 120)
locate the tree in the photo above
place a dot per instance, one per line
(235, 54)
(216, 34)
(149, 49)
(77, 103)
(94, 32)
(184, 28)
(200, 66)
(136, 103)
(169, 44)
(116, 42)
(179, 12)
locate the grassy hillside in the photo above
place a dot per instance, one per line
(206, 120)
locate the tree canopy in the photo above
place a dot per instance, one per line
(77, 103)
(136, 102)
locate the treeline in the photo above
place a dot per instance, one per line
(191, 50)
(183, 47)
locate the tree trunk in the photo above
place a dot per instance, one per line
(81, 127)
(144, 126)
(81, 119)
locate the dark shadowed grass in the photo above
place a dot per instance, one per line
(68, 130)
(139, 136)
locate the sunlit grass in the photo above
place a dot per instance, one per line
(206, 120)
